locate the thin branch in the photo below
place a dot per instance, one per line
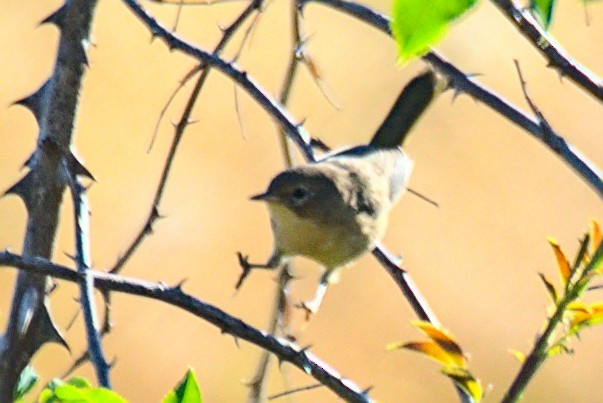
(279, 322)
(407, 286)
(194, 3)
(181, 126)
(285, 350)
(279, 319)
(556, 56)
(179, 131)
(296, 390)
(461, 82)
(296, 132)
(86, 283)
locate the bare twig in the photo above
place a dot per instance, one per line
(556, 56)
(179, 131)
(86, 283)
(461, 82)
(285, 350)
(279, 319)
(264, 99)
(181, 126)
(296, 390)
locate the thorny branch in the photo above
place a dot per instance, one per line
(179, 129)
(173, 295)
(294, 131)
(462, 83)
(556, 56)
(86, 283)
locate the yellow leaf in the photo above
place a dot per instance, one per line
(549, 287)
(580, 306)
(444, 340)
(521, 357)
(596, 235)
(432, 350)
(559, 349)
(564, 266)
(313, 67)
(597, 307)
(465, 381)
(578, 317)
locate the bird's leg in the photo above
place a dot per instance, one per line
(272, 264)
(312, 306)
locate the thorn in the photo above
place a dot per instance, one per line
(29, 161)
(34, 102)
(77, 168)
(301, 123)
(71, 257)
(49, 331)
(366, 391)
(236, 340)
(56, 18)
(456, 93)
(81, 56)
(303, 350)
(22, 189)
(113, 362)
(178, 286)
(148, 228)
(319, 144)
(53, 287)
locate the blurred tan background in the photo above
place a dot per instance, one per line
(475, 258)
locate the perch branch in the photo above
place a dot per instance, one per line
(556, 56)
(173, 295)
(461, 82)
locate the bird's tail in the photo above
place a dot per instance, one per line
(415, 98)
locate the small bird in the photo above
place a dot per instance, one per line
(334, 210)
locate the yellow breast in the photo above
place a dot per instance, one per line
(330, 245)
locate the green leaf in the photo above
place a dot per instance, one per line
(77, 390)
(187, 390)
(543, 9)
(27, 381)
(79, 382)
(417, 24)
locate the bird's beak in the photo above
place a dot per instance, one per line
(263, 197)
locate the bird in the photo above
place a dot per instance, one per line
(335, 209)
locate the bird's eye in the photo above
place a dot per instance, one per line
(299, 195)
